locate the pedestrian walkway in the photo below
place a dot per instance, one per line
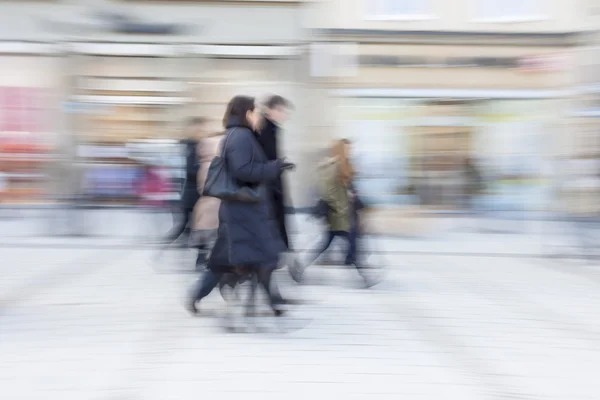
(110, 228)
(102, 324)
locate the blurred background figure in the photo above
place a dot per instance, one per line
(67, 188)
(336, 175)
(195, 130)
(153, 188)
(581, 196)
(473, 184)
(206, 211)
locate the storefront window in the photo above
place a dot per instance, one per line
(439, 154)
(24, 142)
(215, 81)
(123, 101)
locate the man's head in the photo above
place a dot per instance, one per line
(277, 109)
(195, 128)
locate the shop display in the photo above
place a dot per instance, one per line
(24, 151)
(416, 151)
(112, 182)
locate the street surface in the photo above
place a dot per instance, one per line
(105, 323)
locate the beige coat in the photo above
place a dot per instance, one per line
(206, 212)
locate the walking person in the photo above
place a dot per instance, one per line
(152, 189)
(247, 238)
(206, 211)
(336, 175)
(275, 115)
(189, 195)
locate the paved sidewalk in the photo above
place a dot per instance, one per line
(102, 324)
(115, 228)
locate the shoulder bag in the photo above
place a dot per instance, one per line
(222, 185)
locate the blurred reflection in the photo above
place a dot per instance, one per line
(493, 158)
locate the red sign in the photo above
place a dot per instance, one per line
(21, 109)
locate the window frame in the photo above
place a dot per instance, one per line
(510, 17)
(382, 16)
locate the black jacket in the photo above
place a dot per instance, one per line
(247, 234)
(190, 194)
(268, 141)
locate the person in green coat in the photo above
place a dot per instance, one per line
(335, 175)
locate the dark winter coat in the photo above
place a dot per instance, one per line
(190, 194)
(247, 234)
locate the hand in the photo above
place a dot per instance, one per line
(287, 166)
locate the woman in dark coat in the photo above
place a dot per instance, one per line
(248, 238)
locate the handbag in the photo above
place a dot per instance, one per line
(222, 185)
(321, 210)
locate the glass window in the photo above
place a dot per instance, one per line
(398, 9)
(510, 9)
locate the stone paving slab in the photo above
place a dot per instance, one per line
(106, 326)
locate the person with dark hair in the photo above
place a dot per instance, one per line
(275, 115)
(189, 195)
(247, 237)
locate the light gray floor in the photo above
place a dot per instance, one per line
(102, 324)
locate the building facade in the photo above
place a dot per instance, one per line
(419, 86)
(424, 88)
(121, 71)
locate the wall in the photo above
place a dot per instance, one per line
(461, 15)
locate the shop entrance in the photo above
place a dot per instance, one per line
(442, 140)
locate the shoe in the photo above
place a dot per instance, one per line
(279, 313)
(369, 283)
(190, 306)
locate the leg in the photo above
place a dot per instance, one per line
(296, 269)
(203, 287)
(227, 283)
(352, 241)
(179, 222)
(200, 259)
(251, 304)
(187, 224)
(182, 227)
(264, 278)
(323, 247)
(352, 258)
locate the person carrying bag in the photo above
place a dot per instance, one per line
(247, 238)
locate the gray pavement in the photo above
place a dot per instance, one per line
(118, 227)
(103, 324)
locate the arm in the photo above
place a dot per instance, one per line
(192, 161)
(242, 163)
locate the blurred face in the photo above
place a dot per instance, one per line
(196, 131)
(253, 118)
(278, 114)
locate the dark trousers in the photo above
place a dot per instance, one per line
(351, 237)
(279, 210)
(182, 225)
